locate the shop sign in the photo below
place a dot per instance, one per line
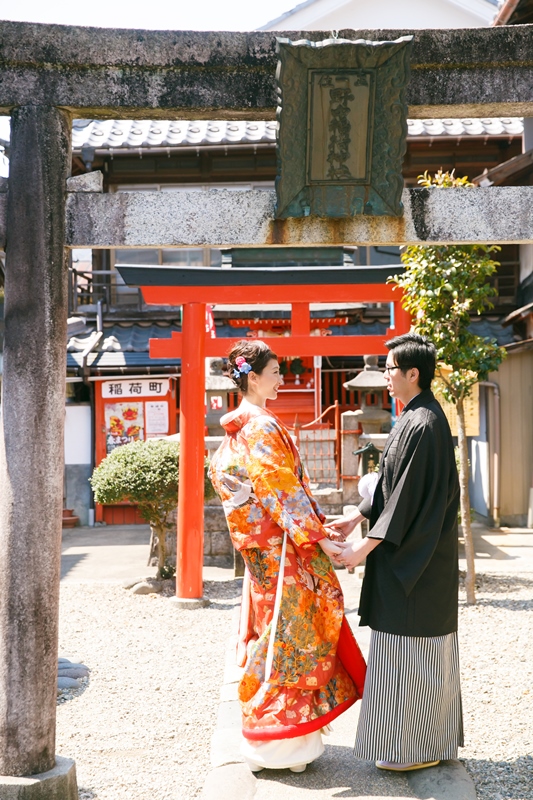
(149, 387)
(124, 423)
(156, 417)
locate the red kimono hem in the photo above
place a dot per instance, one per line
(291, 731)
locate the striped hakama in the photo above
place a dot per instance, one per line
(411, 709)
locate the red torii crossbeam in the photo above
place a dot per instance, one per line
(194, 344)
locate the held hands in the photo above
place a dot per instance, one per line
(342, 527)
(332, 549)
(351, 555)
(356, 551)
(342, 553)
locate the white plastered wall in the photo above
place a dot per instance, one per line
(409, 14)
(78, 434)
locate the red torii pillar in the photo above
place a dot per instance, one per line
(190, 544)
(193, 345)
(402, 319)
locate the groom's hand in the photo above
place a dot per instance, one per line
(342, 527)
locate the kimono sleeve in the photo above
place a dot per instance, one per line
(413, 516)
(318, 511)
(271, 470)
(365, 508)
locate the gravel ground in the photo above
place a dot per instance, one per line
(496, 650)
(140, 727)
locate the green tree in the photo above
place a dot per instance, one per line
(443, 287)
(145, 473)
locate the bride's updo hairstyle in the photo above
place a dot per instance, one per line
(248, 355)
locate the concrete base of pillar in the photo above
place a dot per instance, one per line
(189, 602)
(58, 783)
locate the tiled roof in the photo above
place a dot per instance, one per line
(121, 346)
(161, 133)
(157, 133)
(472, 126)
(119, 359)
(127, 345)
(123, 338)
(492, 328)
(124, 134)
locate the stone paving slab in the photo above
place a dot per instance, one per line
(105, 554)
(336, 774)
(225, 744)
(448, 781)
(113, 554)
(229, 782)
(229, 714)
(228, 692)
(504, 549)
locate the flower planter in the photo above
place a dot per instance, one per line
(70, 520)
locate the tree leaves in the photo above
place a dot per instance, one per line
(443, 287)
(443, 180)
(144, 473)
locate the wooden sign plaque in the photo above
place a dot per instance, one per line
(342, 127)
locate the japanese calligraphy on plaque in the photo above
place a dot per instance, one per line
(342, 105)
(342, 127)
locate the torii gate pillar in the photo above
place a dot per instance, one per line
(31, 454)
(190, 544)
(402, 319)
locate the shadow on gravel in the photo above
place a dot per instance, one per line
(223, 590)
(507, 603)
(215, 605)
(499, 780)
(496, 590)
(86, 794)
(223, 595)
(339, 774)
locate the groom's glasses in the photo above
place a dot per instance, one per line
(390, 369)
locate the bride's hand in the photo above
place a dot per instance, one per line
(333, 534)
(342, 527)
(331, 549)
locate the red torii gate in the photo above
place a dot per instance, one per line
(194, 289)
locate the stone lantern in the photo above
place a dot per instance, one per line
(359, 452)
(373, 418)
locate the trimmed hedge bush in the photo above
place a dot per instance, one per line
(145, 473)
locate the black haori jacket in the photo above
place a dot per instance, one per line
(411, 579)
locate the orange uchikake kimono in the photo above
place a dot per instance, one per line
(317, 668)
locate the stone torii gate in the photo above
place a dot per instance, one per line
(50, 74)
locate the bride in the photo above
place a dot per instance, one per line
(302, 666)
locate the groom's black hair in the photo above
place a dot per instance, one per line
(413, 350)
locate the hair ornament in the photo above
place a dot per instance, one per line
(242, 367)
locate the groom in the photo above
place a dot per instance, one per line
(411, 713)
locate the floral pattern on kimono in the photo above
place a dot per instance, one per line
(265, 493)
